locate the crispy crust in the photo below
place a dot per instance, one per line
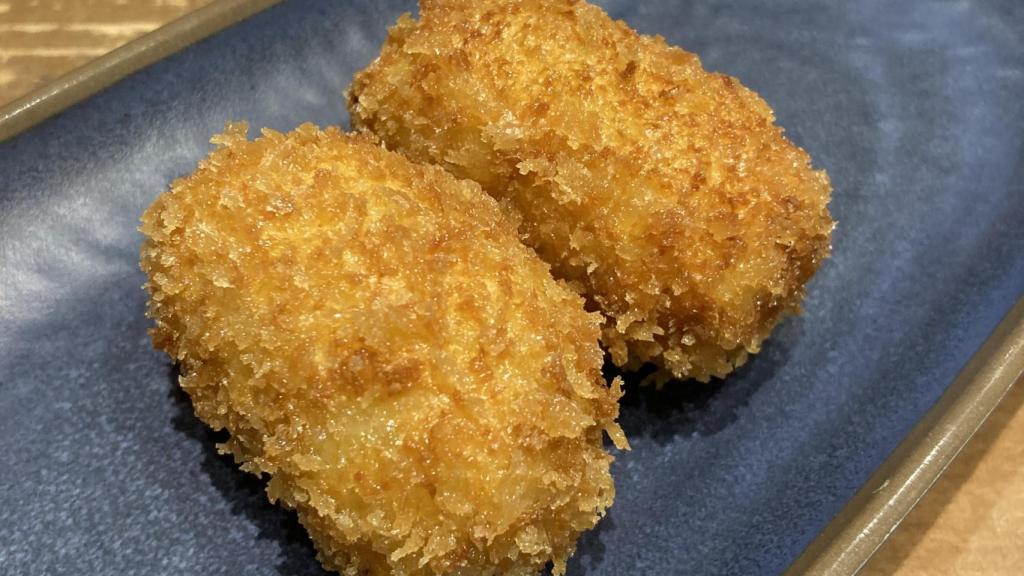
(662, 192)
(375, 339)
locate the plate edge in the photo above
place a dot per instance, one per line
(876, 510)
(53, 98)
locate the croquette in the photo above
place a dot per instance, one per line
(663, 193)
(378, 342)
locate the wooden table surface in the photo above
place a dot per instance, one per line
(972, 521)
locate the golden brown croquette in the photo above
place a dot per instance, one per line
(662, 192)
(378, 342)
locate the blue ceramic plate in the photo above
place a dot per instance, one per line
(916, 109)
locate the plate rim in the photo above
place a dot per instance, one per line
(865, 521)
(876, 510)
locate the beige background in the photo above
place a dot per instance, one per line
(971, 523)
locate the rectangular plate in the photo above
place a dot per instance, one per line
(913, 109)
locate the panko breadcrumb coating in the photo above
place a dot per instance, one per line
(377, 341)
(662, 192)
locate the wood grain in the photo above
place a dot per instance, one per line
(972, 521)
(42, 39)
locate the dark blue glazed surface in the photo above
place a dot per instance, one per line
(915, 108)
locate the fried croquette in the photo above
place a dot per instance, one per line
(378, 342)
(662, 192)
